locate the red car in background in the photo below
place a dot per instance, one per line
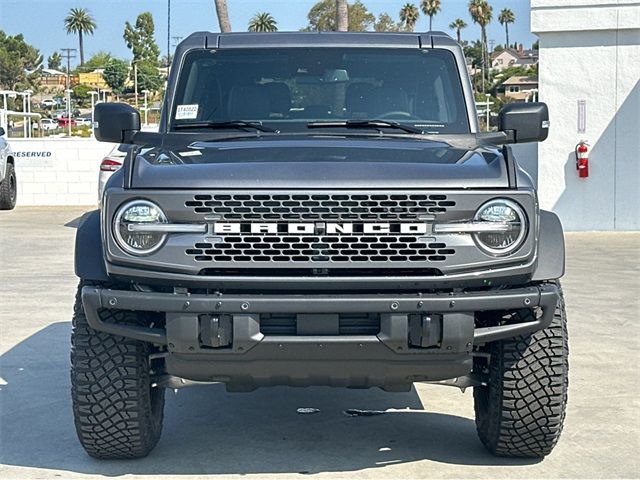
(64, 122)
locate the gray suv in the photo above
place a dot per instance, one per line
(319, 209)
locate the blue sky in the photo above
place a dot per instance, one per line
(41, 21)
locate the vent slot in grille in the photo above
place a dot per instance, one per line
(253, 249)
(349, 324)
(337, 207)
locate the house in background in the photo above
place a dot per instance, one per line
(94, 79)
(521, 89)
(514, 58)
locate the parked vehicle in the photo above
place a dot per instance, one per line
(47, 124)
(48, 103)
(8, 181)
(111, 164)
(64, 122)
(319, 209)
(83, 122)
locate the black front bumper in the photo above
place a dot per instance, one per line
(250, 358)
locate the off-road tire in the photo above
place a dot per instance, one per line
(520, 413)
(8, 189)
(117, 413)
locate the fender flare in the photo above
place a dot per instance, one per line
(551, 251)
(89, 255)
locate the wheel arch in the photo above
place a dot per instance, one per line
(89, 254)
(551, 250)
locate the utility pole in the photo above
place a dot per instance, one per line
(168, 33)
(135, 81)
(68, 53)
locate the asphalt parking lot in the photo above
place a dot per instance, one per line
(429, 432)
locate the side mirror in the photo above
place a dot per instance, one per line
(116, 122)
(2, 132)
(525, 122)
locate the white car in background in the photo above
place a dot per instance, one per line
(111, 164)
(48, 124)
(8, 182)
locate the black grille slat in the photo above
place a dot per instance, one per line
(286, 207)
(320, 248)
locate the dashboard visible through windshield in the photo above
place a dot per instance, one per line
(290, 88)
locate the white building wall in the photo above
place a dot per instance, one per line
(590, 50)
(58, 171)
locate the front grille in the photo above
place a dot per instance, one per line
(256, 249)
(348, 324)
(336, 207)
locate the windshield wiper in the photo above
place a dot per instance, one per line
(378, 124)
(234, 124)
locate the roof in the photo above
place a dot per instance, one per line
(525, 54)
(521, 80)
(318, 39)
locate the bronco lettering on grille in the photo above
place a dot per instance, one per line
(329, 227)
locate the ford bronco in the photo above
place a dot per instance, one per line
(319, 209)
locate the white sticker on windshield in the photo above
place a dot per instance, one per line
(191, 153)
(184, 112)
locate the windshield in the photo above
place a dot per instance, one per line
(287, 88)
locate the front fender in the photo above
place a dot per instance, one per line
(550, 248)
(89, 255)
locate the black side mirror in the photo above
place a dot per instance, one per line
(2, 132)
(116, 122)
(525, 122)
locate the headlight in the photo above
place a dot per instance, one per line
(138, 212)
(508, 214)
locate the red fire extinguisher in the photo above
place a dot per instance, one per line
(582, 159)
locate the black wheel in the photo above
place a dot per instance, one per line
(8, 189)
(520, 413)
(118, 414)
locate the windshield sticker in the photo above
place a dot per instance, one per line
(192, 153)
(184, 112)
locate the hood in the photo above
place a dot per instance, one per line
(382, 162)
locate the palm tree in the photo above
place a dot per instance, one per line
(342, 15)
(222, 13)
(430, 7)
(457, 25)
(263, 22)
(482, 13)
(409, 16)
(80, 21)
(505, 18)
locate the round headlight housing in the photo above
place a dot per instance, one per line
(138, 212)
(511, 226)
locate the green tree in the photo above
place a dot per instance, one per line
(115, 74)
(430, 8)
(97, 60)
(81, 93)
(505, 18)
(80, 21)
(263, 22)
(409, 15)
(148, 77)
(140, 39)
(54, 61)
(222, 12)
(385, 23)
(322, 17)
(458, 24)
(16, 58)
(482, 13)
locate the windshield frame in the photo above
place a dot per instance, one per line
(466, 110)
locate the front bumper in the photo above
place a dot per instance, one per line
(251, 358)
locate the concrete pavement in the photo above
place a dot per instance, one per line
(260, 435)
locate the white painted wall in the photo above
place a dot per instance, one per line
(58, 171)
(590, 50)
